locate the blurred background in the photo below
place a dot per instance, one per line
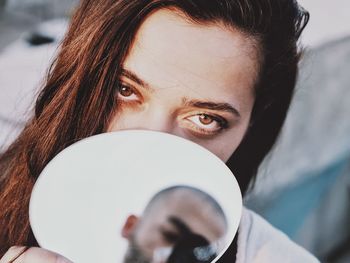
(303, 187)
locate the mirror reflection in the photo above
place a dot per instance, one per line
(179, 224)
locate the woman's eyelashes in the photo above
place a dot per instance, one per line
(128, 93)
(206, 124)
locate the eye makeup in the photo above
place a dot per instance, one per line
(200, 122)
(128, 93)
(207, 123)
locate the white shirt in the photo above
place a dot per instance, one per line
(260, 242)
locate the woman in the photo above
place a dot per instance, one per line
(220, 73)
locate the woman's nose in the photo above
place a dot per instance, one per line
(152, 117)
(158, 120)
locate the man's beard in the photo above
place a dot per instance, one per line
(134, 253)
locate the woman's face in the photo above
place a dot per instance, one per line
(192, 80)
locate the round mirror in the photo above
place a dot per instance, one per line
(136, 196)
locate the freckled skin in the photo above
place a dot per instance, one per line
(183, 61)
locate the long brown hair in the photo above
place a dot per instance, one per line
(79, 95)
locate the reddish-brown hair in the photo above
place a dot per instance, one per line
(79, 95)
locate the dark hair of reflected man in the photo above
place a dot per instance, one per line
(188, 244)
(78, 98)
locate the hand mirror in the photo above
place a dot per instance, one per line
(136, 196)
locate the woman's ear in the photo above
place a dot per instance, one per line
(129, 226)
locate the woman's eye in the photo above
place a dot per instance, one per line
(206, 123)
(205, 119)
(127, 93)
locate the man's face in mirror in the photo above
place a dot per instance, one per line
(177, 217)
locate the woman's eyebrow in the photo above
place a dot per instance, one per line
(220, 106)
(132, 76)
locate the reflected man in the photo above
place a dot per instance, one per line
(179, 224)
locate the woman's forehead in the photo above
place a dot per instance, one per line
(170, 51)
